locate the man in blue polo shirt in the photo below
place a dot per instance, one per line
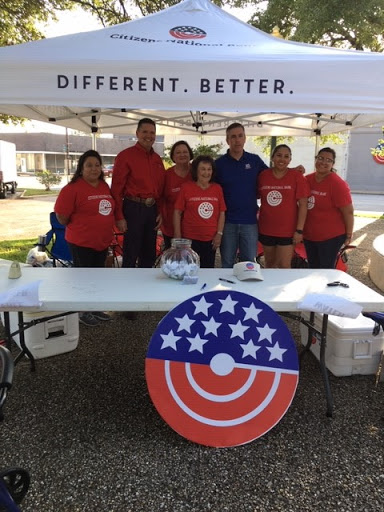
(237, 173)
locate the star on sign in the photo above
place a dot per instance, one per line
(265, 333)
(184, 323)
(169, 340)
(238, 329)
(276, 352)
(252, 313)
(249, 349)
(197, 343)
(211, 326)
(228, 304)
(202, 306)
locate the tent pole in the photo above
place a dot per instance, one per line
(94, 143)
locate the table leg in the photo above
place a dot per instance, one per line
(7, 328)
(24, 348)
(323, 368)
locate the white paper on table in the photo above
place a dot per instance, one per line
(26, 295)
(330, 305)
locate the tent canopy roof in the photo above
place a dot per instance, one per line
(192, 67)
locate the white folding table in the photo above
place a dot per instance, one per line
(118, 289)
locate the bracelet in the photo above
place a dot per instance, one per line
(300, 231)
(219, 233)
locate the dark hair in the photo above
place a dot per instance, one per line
(328, 150)
(232, 126)
(279, 147)
(181, 143)
(146, 120)
(195, 164)
(81, 162)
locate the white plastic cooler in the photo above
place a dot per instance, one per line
(351, 348)
(49, 338)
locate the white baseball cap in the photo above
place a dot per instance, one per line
(247, 270)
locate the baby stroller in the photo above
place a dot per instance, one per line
(14, 482)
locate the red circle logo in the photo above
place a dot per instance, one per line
(378, 159)
(187, 32)
(222, 368)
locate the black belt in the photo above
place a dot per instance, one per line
(147, 201)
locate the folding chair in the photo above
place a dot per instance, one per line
(14, 482)
(59, 250)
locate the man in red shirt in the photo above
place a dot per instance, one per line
(137, 187)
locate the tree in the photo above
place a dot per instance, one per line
(47, 178)
(212, 150)
(265, 142)
(19, 18)
(339, 23)
(110, 12)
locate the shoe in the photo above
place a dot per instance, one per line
(88, 319)
(100, 315)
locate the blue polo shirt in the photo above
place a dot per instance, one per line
(238, 179)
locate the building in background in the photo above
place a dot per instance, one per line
(59, 153)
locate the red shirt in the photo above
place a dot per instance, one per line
(201, 210)
(278, 211)
(172, 185)
(137, 173)
(324, 218)
(90, 211)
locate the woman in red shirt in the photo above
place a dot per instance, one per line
(86, 207)
(329, 223)
(284, 195)
(181, 154)
(200, 211)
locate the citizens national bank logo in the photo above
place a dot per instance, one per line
(187, 32)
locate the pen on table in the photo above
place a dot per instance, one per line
(204, 285)
(226, 280)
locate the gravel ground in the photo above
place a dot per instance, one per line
(85, 428)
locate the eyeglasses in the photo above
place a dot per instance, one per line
(322, 159)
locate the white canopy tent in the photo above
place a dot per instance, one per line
(192, 67)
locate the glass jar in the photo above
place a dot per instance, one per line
(180, 259)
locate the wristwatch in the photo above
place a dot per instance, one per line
(300, 231)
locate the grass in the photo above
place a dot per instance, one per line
(30, 192)
(368, 215)
(16, 250)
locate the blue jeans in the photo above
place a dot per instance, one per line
(238, 237)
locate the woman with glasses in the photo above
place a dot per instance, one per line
(181, 154)
(329, 223)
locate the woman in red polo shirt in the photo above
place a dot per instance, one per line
(86, 207)
(200, 211)
(329, 223)
(181, 154)
(284, 194)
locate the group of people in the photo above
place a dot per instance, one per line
(212, 203)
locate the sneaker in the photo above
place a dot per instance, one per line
(88, 319)
(100, 315)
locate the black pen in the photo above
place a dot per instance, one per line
(226, 280)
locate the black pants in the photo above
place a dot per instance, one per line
(167, 241)
(206, 252)
(323, 254)
(139, 246)
(87, 257)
